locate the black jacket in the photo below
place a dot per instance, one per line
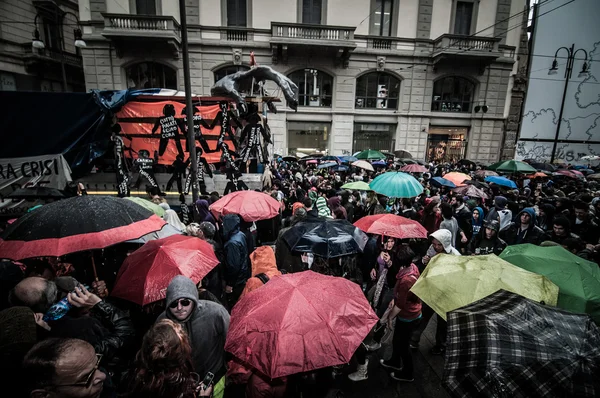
(499, 244)
(464, 216)
(534, 235)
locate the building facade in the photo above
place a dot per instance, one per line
(57, 66)
(433, 77)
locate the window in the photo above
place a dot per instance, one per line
(229, 70)
(462, 18)
(311, 11)
(308, 137)
(151, 75)
(236, 13)
(377, 90)
(452, 94)
(315, 87)
(145, 7)
(381, 18)
(51, 34)
(374, 136)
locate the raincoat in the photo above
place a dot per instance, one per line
(263, 262)
(237, 270)
(513, 235)
(409, 304)
(206, 327)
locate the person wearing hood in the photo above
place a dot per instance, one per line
(499, 204)
(430, 216)
(523, 230)
(173, 220)
(202, 213)
(477, 220)
(487, 241)
(237, 270)
(334, 204)
(347, 204)
(264, 267)
(206, 324)
(546, 217)
(323, 210)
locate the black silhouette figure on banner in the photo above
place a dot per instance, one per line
(224, 118)
(203, 167)
(198, 121)
(251, 135)
(145, 166)
(185, 210)
(179, 168)
(169, 129)
(120, 165)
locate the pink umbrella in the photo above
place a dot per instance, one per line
(414, 168)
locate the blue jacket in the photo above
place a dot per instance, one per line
(237, 269)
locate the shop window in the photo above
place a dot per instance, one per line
(151, 75)
(452, 94)
(308, 137)
(315, 87)
(377, 90)
(374, 136)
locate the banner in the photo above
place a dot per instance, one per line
(139, 119)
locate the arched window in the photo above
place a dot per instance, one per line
(315, 87)
(151, 75)
(452, 94)
(231, 69)
(377, 90)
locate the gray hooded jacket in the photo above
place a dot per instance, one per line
(207, 327)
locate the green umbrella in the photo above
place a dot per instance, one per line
(146, 204)
(395, 184)
(512, 166)
(359, 186)
(370, 154)
(578, 279)
(450, 282)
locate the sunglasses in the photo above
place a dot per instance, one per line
(88, 379)
(184, 303)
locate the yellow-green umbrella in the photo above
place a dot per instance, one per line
(450, 282)
(146, 204)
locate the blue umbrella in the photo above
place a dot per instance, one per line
(326, 165)
(379, 163)
(442, 182)
(348, 159)
(330, 158)
(503, 181)
(340, 167)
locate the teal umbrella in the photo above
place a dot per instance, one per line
(394, 184)
(370, 154)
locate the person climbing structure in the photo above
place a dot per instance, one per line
(179, 167)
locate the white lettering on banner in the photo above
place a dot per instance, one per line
(47, 170)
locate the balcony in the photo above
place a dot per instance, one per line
(155, 29)
(298, 37)
(464, 48)
(34, 57)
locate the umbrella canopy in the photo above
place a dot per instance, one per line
(370, 154)
(165, 232)
(594, 176)
(250, 205)
(478, 184)
(577, 173)
(543, 166)
(363, 164)
(329, 158)
(76, 224)
(395, 184)
(512, 166)
(442, 182)
(298, 323)
(327, 165)
(340, 168)
(358, 185)
(578, 279)
(290, 158)
(590, 157)
(466, 162)
(145, 275)
(392, 225)
(502, 181)
(326, 238)
(379, 163)
(401, 153)
(470, 190)
(566, 173)
(36, 193)
(414, 168)
(450, 282)
(505, 345)
(457, 178)
(146, 204)
(485, 173)
(348, 159)
(407, 161)
(537, 174)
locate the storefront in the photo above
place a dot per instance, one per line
(374, 136)
(446, 144)
(308, 137)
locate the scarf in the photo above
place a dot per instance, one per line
(322, 208)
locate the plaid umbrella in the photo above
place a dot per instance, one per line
(505, 345)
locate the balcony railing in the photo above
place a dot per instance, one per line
(315, 33)
(234, 34)
(140, 25)
(380, 43)
(465, 44)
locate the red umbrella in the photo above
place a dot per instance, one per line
(298, 323)
(577, 173)
(566, 173)
(414, 168)
(146, 273)
(470, 190)
(250, 205)
(391, 225)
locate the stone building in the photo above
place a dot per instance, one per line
(433, 77)
(25, 67)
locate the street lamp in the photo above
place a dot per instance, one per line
(571, 53)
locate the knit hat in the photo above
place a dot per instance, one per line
(19, 332)
(322, 208)
(500, 202)
(296, 206)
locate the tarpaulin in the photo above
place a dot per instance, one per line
(137, 119)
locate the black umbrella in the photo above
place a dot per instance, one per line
(36, 193)
(326, 238)
(543, 166)
(478, 184)
(76, 224)
(505, 345)
(290, 158)
(466, 162)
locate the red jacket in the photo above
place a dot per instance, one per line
(409, 304)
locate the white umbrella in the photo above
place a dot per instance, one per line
(166, 231)
(590, 157)
(363, 164)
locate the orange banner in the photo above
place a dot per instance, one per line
(137, 119)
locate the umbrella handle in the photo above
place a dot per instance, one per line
(94, 268)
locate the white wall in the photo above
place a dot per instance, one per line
(117, 6)
(265, 11)
(85, 13)
(408, 18)
(349, 13)
(513, 37)
(440, 19)
(486, 18)
(210, 12)
(171, 7)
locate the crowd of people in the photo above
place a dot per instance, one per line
(106, 347)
